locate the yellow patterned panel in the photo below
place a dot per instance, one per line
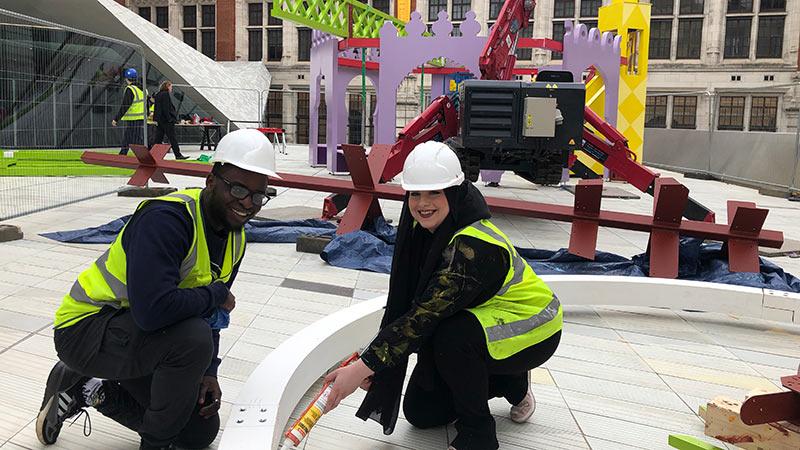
(623, 17)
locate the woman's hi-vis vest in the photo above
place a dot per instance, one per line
(524, 311)
(104, 283)
(136, 110)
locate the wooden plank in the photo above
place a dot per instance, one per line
(723, 422)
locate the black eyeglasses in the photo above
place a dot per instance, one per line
(240, 192)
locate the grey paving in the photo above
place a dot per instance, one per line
(623, 378)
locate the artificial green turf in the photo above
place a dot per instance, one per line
(52, 163)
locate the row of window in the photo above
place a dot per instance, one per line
(688, 26)
(731, 112)
(162, 15)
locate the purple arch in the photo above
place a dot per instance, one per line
(401, 55)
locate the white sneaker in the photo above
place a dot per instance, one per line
(521, 412)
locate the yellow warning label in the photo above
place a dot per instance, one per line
(530, 120)
(453, 85)
(555, 86)
(548, 86)
(572, 142)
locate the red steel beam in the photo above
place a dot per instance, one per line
(562, 213)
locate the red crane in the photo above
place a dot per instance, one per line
(440, 119)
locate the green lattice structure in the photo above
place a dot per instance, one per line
(330, 16)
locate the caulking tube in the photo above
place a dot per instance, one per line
(300, 429)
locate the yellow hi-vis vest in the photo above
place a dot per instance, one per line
(524, 312)
(104, 283)
(136, 110)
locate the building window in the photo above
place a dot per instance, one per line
(274, 117)
(190, 16)
(660, 38)
(684, 112)
(208, 39)
(655, 112)
(558, 35)
(255, 34)
(274, 36)
(190, 38)
(304, 44)
(209, 43)
(525, 54)
(590, 8)
(162, 17)
(302, 117)
(773, 6)
(144, 13)
(274, 44)
(692, 7)
(764, 114)
(690, 36)
(737, 37)
(770, 37)
(662, 7)
(255, 14)
(381, 5)
(460, 8)
(564, 9)
(208, 18)
(270, 19)
(740, 6)
(434, 6)
(255, 45)
(496, 5)
(731, 113)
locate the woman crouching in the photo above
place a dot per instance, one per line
(462, 298)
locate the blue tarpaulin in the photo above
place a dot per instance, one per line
(273, 231)
(372, 250)
(697, 261)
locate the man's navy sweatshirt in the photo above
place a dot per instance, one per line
(156, 240)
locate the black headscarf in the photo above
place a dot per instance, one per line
(417, 254)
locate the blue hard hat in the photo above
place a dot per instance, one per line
(130, 74)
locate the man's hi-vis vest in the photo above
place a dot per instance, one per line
(104, 283)
(524, 311)
(136, 110)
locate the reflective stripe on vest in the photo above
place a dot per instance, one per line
(136, 110)
(524, 311)
(104, 283)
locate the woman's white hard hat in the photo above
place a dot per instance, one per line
(247, 149)
(431, 166)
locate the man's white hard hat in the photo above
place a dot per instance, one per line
(431, 166)
(247, 149)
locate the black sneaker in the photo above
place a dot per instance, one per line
(63, 398)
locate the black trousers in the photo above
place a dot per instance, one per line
(465, 377)
(152, 378)
(167, 129)
(133, 134)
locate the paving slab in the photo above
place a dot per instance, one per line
(623, 378)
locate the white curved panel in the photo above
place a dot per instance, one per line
(276, 386)
(656, 292)
(274, 389)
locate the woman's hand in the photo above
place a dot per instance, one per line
(345, 381)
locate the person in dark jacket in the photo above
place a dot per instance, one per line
(463, 299)
(132, 111)
(166, 117)
(137, 336)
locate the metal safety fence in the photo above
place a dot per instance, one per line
(746, 136)
(59, 91)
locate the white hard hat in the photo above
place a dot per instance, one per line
(431, 166)
(247, 149)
